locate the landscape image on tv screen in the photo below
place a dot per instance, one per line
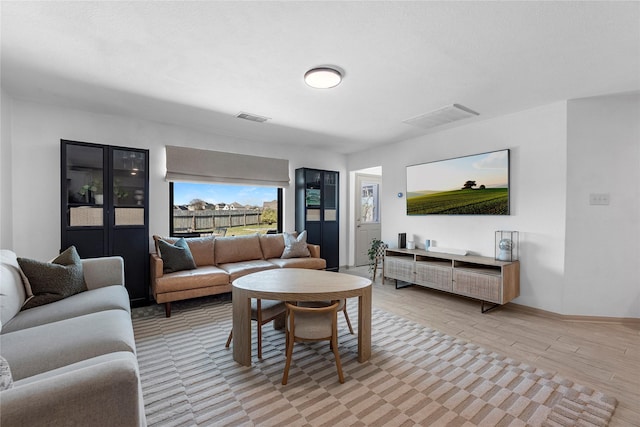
(471, 185)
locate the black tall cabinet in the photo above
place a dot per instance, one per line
(317, 211)
(104, 203)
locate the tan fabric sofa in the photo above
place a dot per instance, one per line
(221, 260)
(73, 361)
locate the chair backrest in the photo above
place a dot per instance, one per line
(381, 250)
(312, 323)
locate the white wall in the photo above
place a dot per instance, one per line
(537, 140)
(35, 141)
(576, 259)
(6, 219)
(602, 262)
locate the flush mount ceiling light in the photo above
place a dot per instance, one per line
(323, 77)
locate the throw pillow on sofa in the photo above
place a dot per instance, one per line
(295, 247)
(175, 257)
(55, 280)
(6, 379)
(201, 248)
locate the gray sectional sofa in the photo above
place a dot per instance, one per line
(73, 361)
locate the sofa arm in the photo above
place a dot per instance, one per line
(103, 271)
(102, 394)
(156, 266)
(314, 250)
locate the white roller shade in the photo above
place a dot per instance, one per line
(194, 165)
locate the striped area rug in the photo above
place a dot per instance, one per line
(416, 376)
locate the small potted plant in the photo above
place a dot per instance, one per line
(373, 252)
(118, 192)
(93, 188)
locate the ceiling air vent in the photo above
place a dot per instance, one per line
(441, 116)
(252, 117)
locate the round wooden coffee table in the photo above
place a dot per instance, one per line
(297, 284)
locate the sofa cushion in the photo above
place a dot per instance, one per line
(53, 281)
(101, 391)
(309, 262)
(201, 277)
(295, 247)
(108, 298)
(176, 256)
(272, 245)
(202, 248)
(103, 271)
(239, 269)
(74, 367)
(32, 351)
(237, 248)
(12, 291)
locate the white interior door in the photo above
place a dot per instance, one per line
(367, 211)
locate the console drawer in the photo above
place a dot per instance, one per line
(434, 276)
(486, 287)
(399, 268)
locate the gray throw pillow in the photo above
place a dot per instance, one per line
(295, 247)
(175, 257)
(53, 281)
(6, 380)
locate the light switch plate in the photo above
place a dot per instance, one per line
(599, 198)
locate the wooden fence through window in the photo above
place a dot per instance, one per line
(207, 221)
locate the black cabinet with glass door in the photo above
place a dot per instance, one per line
(317, 211)
(104, 201)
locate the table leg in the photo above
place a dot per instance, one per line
(364, 325)
(241, 326)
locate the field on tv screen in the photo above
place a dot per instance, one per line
(482, 201)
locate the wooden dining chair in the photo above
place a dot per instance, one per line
(342, 306)
(262, 312)
(311, 324)
(379, 259)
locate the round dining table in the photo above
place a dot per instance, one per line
(297, 284)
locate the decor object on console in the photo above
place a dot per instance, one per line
(452, 251)
(507, 245)
(402, 240)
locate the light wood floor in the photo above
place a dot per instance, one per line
(604, 356)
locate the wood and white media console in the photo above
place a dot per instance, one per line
(482, 278)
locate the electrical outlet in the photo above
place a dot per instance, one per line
(599, 198)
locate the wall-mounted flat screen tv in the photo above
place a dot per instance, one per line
(470, 185)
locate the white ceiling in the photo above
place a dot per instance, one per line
(198, 64)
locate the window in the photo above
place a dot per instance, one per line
(369, 202)
(199, 209)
